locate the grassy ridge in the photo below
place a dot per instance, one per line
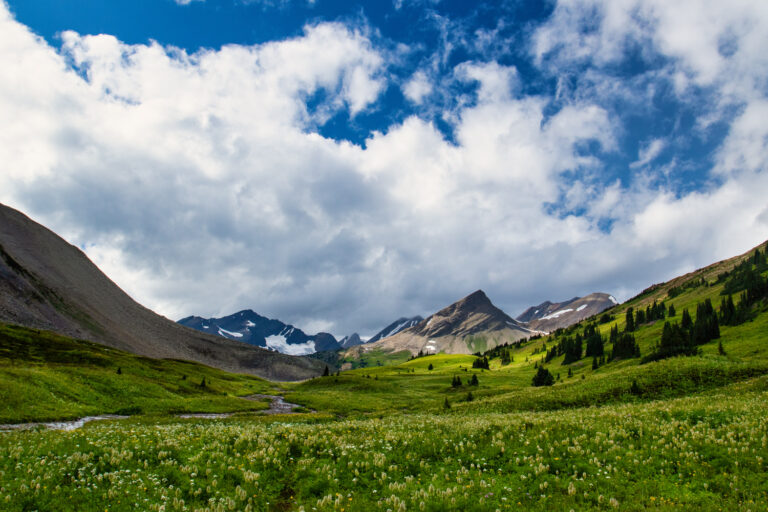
(44, 376)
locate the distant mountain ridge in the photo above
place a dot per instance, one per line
(549, 316)
(395, 327)
(250, 327)
(351, 341)
(47, 283)
(469, 325)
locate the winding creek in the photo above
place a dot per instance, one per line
(277, 405)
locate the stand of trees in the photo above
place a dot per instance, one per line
(594, 342)
(543, 377)
(747, 280)
(683, 338)
(624, 346)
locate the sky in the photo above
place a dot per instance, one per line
(337, 165)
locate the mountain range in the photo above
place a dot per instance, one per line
(458, 327)
(47, 283)
(254, 329)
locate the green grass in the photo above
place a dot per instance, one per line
(375, 358)
(697, 453)
(44, 376)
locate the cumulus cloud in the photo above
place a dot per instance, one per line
(418, 87)
(201, 184)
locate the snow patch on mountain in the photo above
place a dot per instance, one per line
(225, 333)
(557, 314)
(280, 344)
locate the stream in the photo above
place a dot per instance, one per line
(278, 405)
(59, 425)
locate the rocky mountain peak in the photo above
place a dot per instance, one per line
(473, 313)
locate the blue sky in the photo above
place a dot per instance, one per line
(337, 165)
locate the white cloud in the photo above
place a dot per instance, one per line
(496, 82)
(187, 2)
(200, 184)
(418, 87)
(648, 153)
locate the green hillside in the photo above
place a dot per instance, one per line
(44, 376)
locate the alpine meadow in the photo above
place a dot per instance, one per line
(411, 255)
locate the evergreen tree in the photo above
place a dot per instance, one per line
(543, 377)
(686, 323)
(727, 311)
(594, 363)
(706, 327)
(595, 344)
(456, 383)
(202, 383)
(675, 340)
(630, 316)
(430, 367)
(640, 319)
(327, 372)
(469, 397)
(474, 381)
(625, 347)
(570, 372)
(720, 349)
(672, 311)
(446, 404)
(119, 371)
(635, 389)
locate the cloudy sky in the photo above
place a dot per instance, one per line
(337, 165)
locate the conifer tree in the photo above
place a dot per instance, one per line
(686, 322)
(543, 377)
(630, 326)
(474, 381)
(672, 311)
(327, 372)
(430, 367)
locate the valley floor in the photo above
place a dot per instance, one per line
(707, 452)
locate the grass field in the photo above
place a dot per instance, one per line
(393, 433)
(695, 453)
(44, 376)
